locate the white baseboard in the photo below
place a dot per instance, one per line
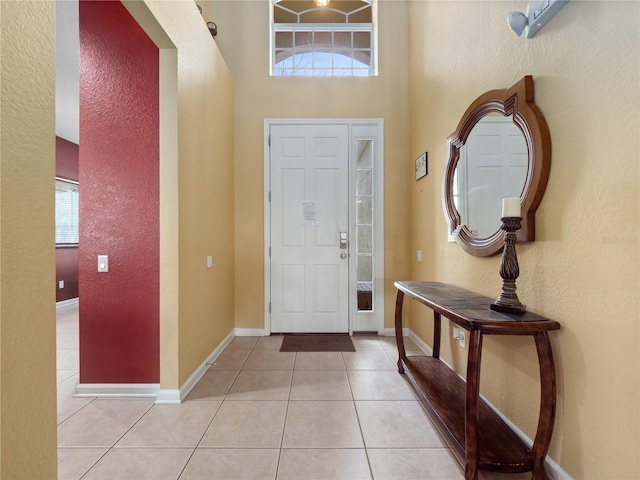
(422, 345)
(121, 390)
(143, 390)
(391, 332)
(167, 396)
(554, 470)
(249, 332)
(66, 303)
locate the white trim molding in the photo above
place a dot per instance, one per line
(250, 332)
(391, 332)
(120, 390)
(153, 390)
(168, 397)
(177, 396)
(66, 303)
(422, 345)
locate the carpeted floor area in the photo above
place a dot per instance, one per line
(317, 343)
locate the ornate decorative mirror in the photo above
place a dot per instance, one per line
(501, 148)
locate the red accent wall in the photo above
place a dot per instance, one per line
(66, 159)
(67, 257)
(119, 203)
(67, 271)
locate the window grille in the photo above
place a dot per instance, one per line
(334, 40)
(365, 224)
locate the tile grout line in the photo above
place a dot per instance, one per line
(91, 400)
(286, 415)
(114, 444)
(224, 398)
(94, 464)
(364, 444)
(197, 445)
(217, 410)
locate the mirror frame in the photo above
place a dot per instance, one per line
(517, 101)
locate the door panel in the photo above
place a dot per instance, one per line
(328, 206)
(309, 209)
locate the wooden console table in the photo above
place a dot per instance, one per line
(479, 438)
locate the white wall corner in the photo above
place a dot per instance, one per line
(177, 396)
(168, 397)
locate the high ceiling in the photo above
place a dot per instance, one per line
(67, 84)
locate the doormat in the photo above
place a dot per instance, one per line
(317, 343)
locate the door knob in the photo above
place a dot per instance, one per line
(343, 255)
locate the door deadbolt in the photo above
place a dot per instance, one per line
(343, 240)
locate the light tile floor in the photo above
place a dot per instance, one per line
(256, 414)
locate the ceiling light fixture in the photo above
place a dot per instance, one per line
(213, 29)
(322, 3)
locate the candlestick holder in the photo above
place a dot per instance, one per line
(509, 270)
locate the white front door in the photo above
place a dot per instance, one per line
(309, 169)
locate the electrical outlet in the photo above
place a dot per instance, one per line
(61, 284)
(460, 335)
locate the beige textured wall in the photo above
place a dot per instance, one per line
(243, 37)
(583, 268)
(27, 263)
(202, 225)
(200, 305)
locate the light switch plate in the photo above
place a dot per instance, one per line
(103, 263)
(209, 261)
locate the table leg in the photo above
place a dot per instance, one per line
(399, 340)
(547, 405)
(471, 410)
(437, 329)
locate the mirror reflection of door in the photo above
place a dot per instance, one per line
(492, 166)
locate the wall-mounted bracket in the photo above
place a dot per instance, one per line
(538, 13)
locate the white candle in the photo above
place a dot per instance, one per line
(511, 207)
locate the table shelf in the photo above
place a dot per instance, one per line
(442, 392)
(478, 436)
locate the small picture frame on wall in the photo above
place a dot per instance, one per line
(421, 166)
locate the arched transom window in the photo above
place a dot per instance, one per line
(323, 38)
